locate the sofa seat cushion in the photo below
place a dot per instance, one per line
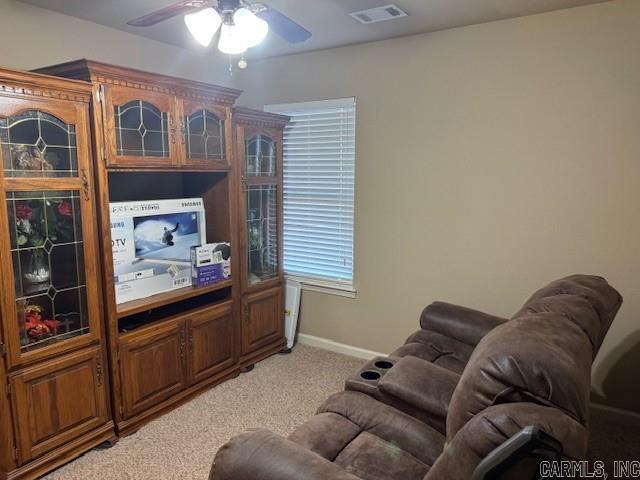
(370, 439)
(371, 458)
(436, 348)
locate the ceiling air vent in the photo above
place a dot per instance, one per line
(379, 14)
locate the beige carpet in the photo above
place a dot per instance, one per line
(280, 393)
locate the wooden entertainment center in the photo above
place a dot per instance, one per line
(77, 368)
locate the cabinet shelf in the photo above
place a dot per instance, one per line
(161, 299)
(54, 339)
(169, 170)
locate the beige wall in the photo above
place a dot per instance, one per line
(490, 160)
(35, 37)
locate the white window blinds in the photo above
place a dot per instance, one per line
(319, 168)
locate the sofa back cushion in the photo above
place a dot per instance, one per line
(573, 308)
(594, 290)
(541, 358)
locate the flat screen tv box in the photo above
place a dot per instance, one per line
(151, 244)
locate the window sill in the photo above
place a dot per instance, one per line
(324, 286)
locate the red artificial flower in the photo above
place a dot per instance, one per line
(64, 209)
(33, 317)
(23, 211)
(38, 330)
(52, 324)
(34, 325)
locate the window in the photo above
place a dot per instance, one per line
(319, 167)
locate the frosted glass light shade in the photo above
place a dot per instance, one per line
(232, 40)
(254, 29)
(203, 25)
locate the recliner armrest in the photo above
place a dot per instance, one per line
(466, 448)
(261, 454)
(462, 323)
(421, 384)
(515, 449)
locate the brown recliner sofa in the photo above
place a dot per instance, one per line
(449, 333)
(420, 420)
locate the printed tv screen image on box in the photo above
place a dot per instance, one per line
(168, 237)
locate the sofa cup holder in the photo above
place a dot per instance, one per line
(370, 375)
(383, 364)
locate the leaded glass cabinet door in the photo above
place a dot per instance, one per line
(50, 298)
(140, 128)
(205, 135)
(262, 205)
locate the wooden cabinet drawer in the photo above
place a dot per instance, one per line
(58, 401)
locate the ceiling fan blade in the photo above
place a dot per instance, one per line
(168, 12)
(283, 25)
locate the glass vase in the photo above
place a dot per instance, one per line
(36, 270)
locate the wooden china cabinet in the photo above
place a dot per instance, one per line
(157, 137)
(259, 138)
(78, 368)
(54, 398)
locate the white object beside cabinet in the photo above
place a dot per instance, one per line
(291, 310)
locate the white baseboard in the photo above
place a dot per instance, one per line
(337, 347)
(623, 416)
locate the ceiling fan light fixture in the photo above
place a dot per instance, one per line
(253, 29)
(232, 40)
(203, 25)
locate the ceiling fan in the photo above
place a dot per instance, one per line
(242, 25)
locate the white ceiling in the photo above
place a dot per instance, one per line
(328, 20)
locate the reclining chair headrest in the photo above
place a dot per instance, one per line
(574, 308)
(595, 290)
(542, 358)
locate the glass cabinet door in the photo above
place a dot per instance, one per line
(204, 136)
(47, 252)
(261, 157)
(47, 301)
(262, 199)
(37, 144)
(262, 233)
(140, 128)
